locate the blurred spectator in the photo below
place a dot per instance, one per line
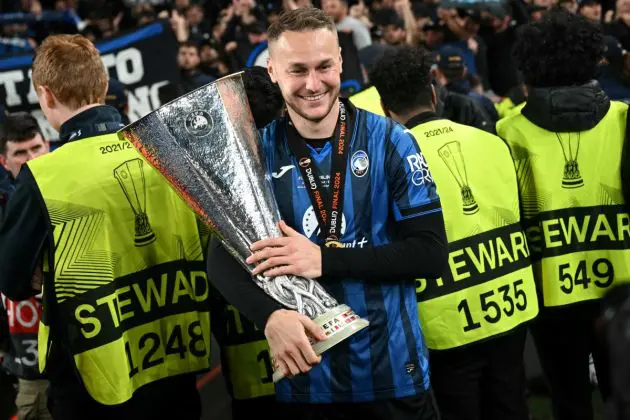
(499, 35)
(117, 97)
(451, 72)
(188, 61)
(198, 26)
(338, 11)
(619, 27)
(610, 72)
(591, 10)
(212, 62)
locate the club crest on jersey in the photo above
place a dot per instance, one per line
(359, 163)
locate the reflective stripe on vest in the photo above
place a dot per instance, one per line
(126, 290)
(489, 287)
(572, 205)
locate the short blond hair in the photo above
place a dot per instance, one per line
(71, 67)
(300, 20)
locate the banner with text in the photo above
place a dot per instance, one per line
(143, 60)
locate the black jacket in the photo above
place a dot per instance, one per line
(567, 109)
(462, 109)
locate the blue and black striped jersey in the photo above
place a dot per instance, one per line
(387, 180)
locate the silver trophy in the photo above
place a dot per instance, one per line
(207, 147)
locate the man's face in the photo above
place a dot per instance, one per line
(394, 35)
(194, 15)
(592, 12)
(307, 68)
(188, 58)
(334, 8)
(18, 153)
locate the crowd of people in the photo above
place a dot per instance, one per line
(478, 154)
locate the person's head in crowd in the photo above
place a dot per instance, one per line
(562, 49)
(264, 96)
(591, 10)
(182, 4)
(622, 11)
(20, 141)
(498, 16)
(434, 33)
(256, 32)
(194, 15)
(305, 61)
(403, 80)
(392, 26)
(68, 76)
(92, 32)
(188, 56)
(450, 66)
(536, 12)
(569, 5)
(63, 5)
(547, 4)
(336, 9)
(208, 52)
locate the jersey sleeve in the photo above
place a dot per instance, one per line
(413, 191)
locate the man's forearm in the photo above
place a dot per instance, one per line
(422, 253)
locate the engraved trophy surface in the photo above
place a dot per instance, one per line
(207, 147)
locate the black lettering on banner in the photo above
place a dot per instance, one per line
(478, 259)
(150, 344)
(264, 358)
(580, 229)
(100, 316)
(511, 295)
(572, 276)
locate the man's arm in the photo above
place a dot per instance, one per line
(23, 234)
(418, 252)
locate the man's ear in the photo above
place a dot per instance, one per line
(3, 162)
(433, 95)
(47, 96)
(270, 70)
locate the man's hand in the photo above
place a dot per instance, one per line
(290, 255)
(286, 333)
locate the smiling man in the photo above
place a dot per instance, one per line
(366, 247)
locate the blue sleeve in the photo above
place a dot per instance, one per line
(413, 192)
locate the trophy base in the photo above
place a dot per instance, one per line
(339, 324)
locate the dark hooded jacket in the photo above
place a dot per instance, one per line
(462, 109)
